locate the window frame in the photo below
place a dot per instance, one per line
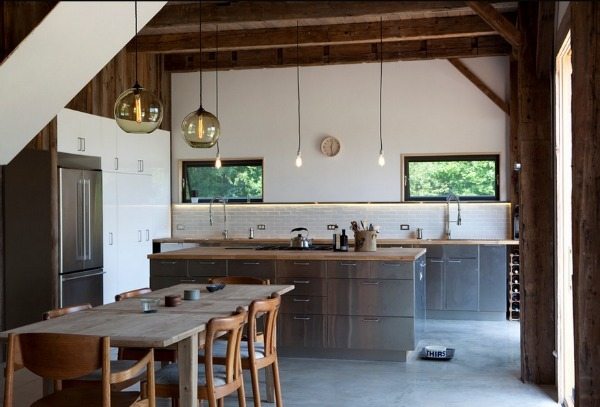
(407, 159)
(185, 164)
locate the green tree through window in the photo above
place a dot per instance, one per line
(236, 180)
(431, 178)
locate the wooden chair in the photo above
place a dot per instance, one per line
(257, 355)
(52, 356)
(214, 381)
(239, 280)
(160, 355)
(132, 294)
(96, 377)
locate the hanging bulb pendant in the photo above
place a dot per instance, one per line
(201, 129)
(298, 160)
(381, 160)
(138, 110)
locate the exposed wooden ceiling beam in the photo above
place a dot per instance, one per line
(496, 20)
(179, 16)
(336, 34)
(462, 68)
(341, 54)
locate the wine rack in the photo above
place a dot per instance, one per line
(514, 286)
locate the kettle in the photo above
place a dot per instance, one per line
(300, 241)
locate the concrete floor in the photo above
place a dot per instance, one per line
(484, 372)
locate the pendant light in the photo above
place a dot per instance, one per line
(138, 110)
(218, 158)
(298, 155)
(201, 129)
(381, 160)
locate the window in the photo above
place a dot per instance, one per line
(236, 180)
(471, 177)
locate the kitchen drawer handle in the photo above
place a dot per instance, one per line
(168, 262)
(187, 281)
(301, 300)
(248, 263)
(348, 264)
(297, 263)
(301, 318)
(301, 281)
(436, 261)
(110, 238)
(393, 264)
(454, 261)
(211, 263)
(371, 319)
(370, 282)
(139, 235)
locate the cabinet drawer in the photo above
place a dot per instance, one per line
(207, 268)
(306, 286)
(252, 268)
(370, 333)
(301, 268)
(461, 251)
(302, 331)
(158, 282)
(168, 267)
(302, 304)
(401, 270)
(370, 297)
(348, 269)
(433, 250)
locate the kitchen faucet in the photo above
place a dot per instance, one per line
(452, 197)
(210, 217)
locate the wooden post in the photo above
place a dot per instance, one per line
(536, 179)
(585, 43)
(514, 157)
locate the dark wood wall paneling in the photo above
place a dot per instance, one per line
(536, 191)
(585, 43)
(99, 95)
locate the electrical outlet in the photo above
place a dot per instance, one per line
(261, 227)
(180, 226)
(404, 227)
(332, 227)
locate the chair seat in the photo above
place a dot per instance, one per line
(86, 396)
(220, 350)
(169, 375)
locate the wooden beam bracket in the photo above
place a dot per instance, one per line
(497, 21)
(462, 68)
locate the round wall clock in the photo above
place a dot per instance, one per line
(330, 146)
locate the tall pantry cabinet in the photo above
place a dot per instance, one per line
(136, 192)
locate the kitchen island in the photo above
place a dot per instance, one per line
(356, 305)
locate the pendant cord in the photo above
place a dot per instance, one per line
(380, 79)
(136, 43)
(298, 80)
(200, 49)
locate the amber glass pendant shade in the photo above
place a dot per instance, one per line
(138, 110)
(201, 129)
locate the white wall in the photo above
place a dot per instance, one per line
(428, 107)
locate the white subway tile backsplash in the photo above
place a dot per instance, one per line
(479, 220)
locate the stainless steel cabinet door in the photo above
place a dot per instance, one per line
(370, 333)
(434, 286)
(370, 297)
(462, 284)
(492, 276)
(302, 331)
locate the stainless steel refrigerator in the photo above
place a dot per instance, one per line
(80, 255)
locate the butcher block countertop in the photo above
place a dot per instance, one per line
(384, 253)
(380, 242)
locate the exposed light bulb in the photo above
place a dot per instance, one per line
(138, 108)
(381, 159)
(218, 161)
(298, 160)
(200, 127)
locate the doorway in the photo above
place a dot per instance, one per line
(564, 254)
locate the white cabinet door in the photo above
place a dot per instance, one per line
(109, 144)
(111, 234)
(79, 133)
(130, 149)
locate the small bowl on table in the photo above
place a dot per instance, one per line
(191, 295)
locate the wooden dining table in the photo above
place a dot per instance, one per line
(180, 326)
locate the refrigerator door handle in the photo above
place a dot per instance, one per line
(80, 230)
(88, 218)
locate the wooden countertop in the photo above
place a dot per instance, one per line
(384, 253)
(380, 242)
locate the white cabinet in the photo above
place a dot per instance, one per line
(136, 192)
(79, 133)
